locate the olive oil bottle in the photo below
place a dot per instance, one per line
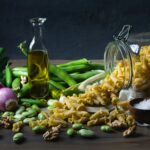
(37, 62)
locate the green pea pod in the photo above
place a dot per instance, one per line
(39, 129)
(106, 128)
(86, 133)
(20, 110)
(16, 84)
(77, 126)
(71, 132)
(38, 102)
(36, 108)
(41, 116)
(24, 90)
(8, 75)
(27, 120)
(18, 137)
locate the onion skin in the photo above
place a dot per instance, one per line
(8, 99)
(1, 86)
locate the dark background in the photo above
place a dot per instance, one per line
(74, 28)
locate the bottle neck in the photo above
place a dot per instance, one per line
(37, 41)
(38, 33)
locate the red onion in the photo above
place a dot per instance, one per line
(8, 99)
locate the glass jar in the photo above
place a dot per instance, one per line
(37, 62)
(127, 59)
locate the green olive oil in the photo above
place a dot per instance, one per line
(38, 75)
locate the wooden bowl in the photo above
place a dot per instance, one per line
(140, 115)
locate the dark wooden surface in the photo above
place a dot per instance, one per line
(112, 141)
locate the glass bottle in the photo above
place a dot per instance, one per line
(37, 62)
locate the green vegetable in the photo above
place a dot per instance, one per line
(38, 102)
(41, 116)
(16, 84)
(24, 91)
(20, 110)
(8, 114)
(8, 75)
(86, 133)
(19, 71)
(30, 113)
(55, 94)
(72, 90)
(27, 120)
(77, 68)
(36, 108)
(84, 76)
(18, 137)
(39, 129)
(106, 128)
(71, 132)
(74, 62)
(57, 85)
(61, 74)
(97, 66)
(77, 126)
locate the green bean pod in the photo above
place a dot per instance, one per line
(16, 84)
(61, 74)
(38, 102)
(20, 110)
(8, 75)
(24, 90)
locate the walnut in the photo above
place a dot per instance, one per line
(130, 131)
(117, 124)
(52, 133)
(6, 122)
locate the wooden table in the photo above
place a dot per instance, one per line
(103, 141)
